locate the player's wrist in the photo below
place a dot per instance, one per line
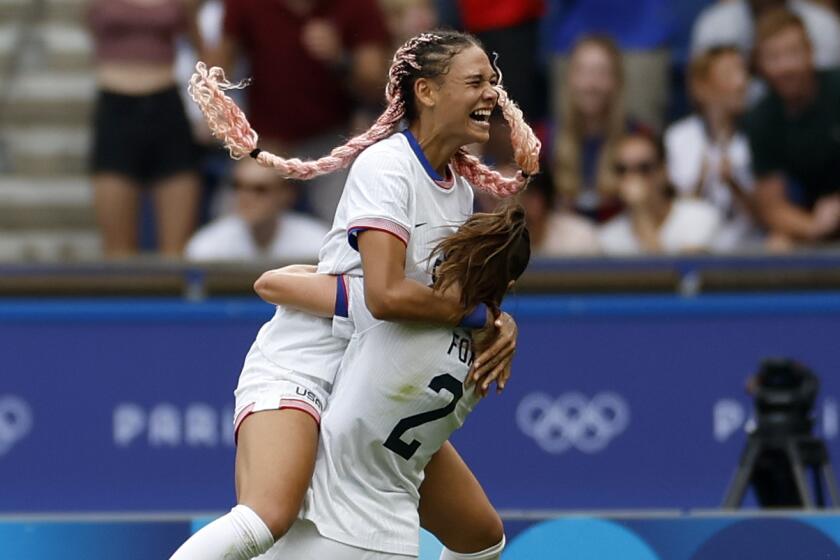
(478, 318)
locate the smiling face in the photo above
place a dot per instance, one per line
(461, 100)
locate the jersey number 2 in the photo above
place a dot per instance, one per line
(407, 450)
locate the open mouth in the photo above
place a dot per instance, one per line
(481, 115)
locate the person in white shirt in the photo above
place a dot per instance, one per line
(733, 23)
(708, 155)
(400, 393)
(444, 87)
(262, 226)
(556, 232)
(655, 221)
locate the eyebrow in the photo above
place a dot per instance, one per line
(479, 77)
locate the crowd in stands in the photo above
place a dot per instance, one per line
(668, 127)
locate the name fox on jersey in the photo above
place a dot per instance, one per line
(462, 347)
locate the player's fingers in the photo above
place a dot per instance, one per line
(484, 387)
(485, 363)
(490, 358)
(503, 378)
(505, 367)
(482, 365)
(498, 370)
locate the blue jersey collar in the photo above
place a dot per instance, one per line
(421, 157)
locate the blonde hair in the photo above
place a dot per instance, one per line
(700, 67)
(568, 173)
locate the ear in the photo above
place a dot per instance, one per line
(511, 284)
(425, 92)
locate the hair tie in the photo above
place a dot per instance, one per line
(255, 152)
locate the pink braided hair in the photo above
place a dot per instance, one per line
(228, 123)
(526, 153)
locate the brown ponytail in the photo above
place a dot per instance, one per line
(484, 255)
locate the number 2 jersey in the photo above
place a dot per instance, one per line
(391, 187)
(399, 395)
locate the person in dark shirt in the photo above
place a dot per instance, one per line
(312, 63)
(794, 134)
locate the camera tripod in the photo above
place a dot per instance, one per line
(802, 452)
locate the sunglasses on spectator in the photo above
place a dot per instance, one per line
(254, 188)
(641, 168)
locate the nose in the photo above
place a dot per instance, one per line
(491, 94)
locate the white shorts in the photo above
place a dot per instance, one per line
(303, 542)
(264, 385)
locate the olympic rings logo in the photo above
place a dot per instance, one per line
(15, 421)
(572, 420)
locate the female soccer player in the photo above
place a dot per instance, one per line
(399, 395)
(406, 190)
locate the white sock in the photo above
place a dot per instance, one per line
(238, 535)
(492, 553)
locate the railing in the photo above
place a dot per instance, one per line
(686, 275)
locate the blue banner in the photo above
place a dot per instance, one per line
(615, 402)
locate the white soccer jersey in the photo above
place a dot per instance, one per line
(391, 186)
(400, 394)
(301, 342)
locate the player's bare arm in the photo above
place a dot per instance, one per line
(389, 295)
(299, 287)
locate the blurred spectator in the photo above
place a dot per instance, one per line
(794, 135)
(142, 138)
(555, 233)
(732, 23)
(408, 18)
(655, 221)
(511, 29)
(262, 225)
(708, 156)
(833, 5)
(215, 163)
(311, 61)
(209, 20)
(592, 119)
(642, 29)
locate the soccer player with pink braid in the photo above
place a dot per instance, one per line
(407, 189)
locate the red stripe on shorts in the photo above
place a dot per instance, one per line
(294, 404)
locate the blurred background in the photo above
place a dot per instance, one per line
(684, 295)
(667, 128)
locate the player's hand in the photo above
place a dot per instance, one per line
(494, 362)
